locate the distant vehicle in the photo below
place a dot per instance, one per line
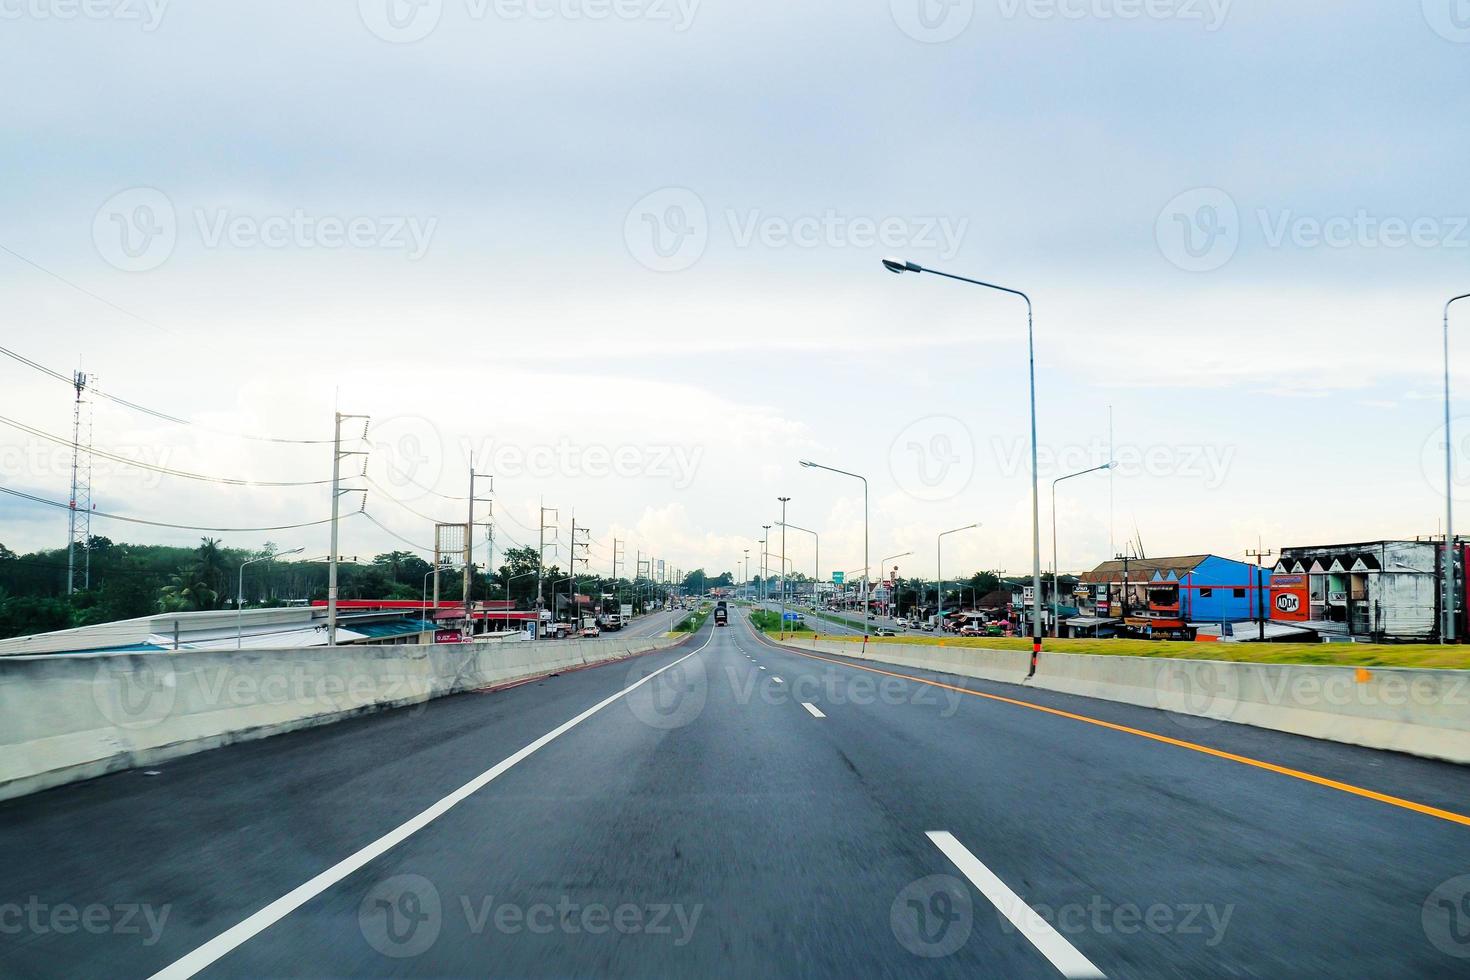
(971, 631)
(559, 630)
(722, 615)
(927, 627)
(903, 624)
(590, 632)
(884, 631)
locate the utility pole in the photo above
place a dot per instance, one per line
(1126, 557)
(469, 549)
(337, 491)
(541, 558)
(572, 569)
(1259, 554)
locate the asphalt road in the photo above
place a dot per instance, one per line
(744, 810)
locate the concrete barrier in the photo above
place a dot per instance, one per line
(64, 719)
(1418, 711)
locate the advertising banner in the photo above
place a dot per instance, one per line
(1290, 600)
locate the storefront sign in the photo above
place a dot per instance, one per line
(1290, 601)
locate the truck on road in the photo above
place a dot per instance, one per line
(722, 615)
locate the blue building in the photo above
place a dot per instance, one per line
(1170, 598)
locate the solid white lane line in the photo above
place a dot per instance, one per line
(758, 665)
(816, 712)
(1062, 954)
(773, 677)
(192, 963)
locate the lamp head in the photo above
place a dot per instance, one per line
(900, 266)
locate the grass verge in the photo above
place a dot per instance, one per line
(1333, 654)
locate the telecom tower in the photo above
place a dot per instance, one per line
(79, 515)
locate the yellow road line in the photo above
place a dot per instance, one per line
(1244, 760)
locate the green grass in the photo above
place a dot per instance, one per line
(694, 620)
(1339, 654)
(770, 622)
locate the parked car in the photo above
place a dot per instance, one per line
(590, 632)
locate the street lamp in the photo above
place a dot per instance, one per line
(816, 565)
(901, 266)
(1447, 631)
(883, 567)
(939, 573)
(240, 591)
(1056, 623)
(866, 567)
(765, 565)
(782, 628)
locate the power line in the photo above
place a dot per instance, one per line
(163, 416)
(87, 292)
(180, 527)
(167, 471)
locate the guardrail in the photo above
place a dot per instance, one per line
(64, 719)
(1420, 711)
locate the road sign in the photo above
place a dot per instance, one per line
(837, 577)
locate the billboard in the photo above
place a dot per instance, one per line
(1290, 599)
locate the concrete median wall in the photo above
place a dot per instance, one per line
(68, 718)
(1417, 711)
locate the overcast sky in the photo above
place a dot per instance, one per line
(627, 253)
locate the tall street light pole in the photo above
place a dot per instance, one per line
(817, 564)
(867, 568)
(784, 502)
(1447, 630)
(883, 569)
(939, 572)
(240, 591)
(1056, 623)
(765, 564)
(901, 266)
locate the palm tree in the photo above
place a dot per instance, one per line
(185, 592)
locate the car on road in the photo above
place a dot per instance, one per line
(902, 624)
(590, 632)
(884, 631)
(927, 627)
(971, 631)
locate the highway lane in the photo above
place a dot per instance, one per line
(749, 810)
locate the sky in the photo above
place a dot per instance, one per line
(625, 253)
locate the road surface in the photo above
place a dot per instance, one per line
(726, 808)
